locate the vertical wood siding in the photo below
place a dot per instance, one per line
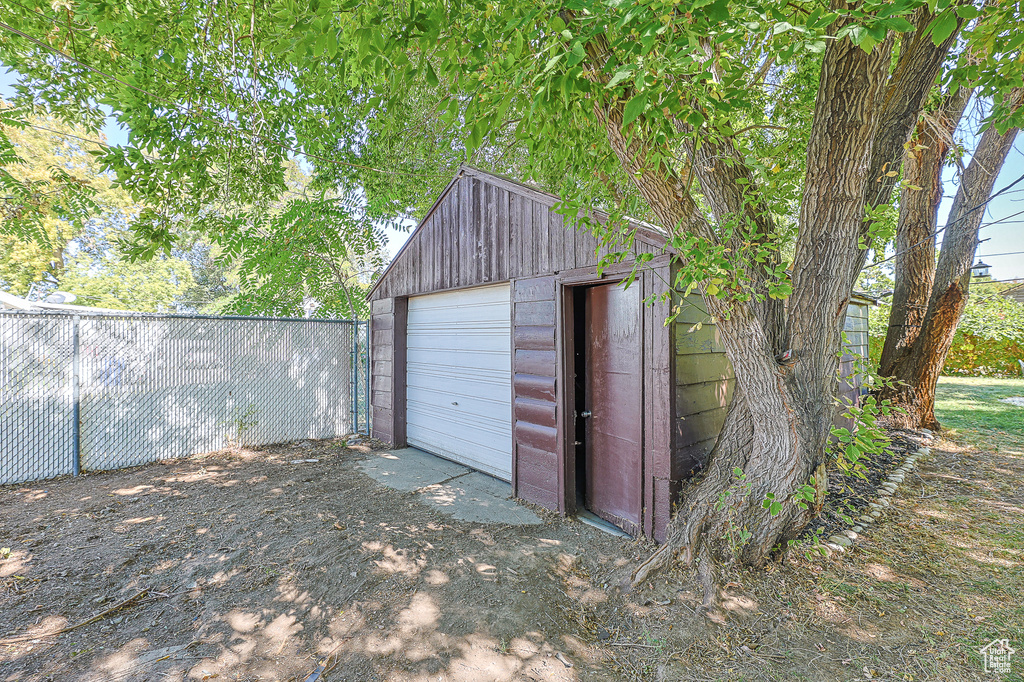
(482, 232)
(659, 400)
(382, 373)
(387, 382)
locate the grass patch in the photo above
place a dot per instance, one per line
(970, 407)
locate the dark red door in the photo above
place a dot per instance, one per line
(613, 398)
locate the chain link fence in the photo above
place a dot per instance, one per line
(104, 391)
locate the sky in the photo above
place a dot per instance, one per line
(1002, 233)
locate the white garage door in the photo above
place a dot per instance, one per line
(459, 377)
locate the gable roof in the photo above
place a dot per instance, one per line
(646, 233)
(647, 237)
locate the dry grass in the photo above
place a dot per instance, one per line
(938, 577)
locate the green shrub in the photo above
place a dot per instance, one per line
(988, 342)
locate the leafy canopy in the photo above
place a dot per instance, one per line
(380, 101)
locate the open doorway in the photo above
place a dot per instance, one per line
(607, 354)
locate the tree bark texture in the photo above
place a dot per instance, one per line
(916, 226)
(779, 421)
(913, 77)
(917, 368)
(780, 417)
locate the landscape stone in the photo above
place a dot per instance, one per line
(841, 540)
(857, 529)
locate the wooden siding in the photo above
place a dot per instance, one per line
(387, 357)
(660, 481)
(855, 350)
(485, 229)
(536, 442)
(704, 380)
(703, 385)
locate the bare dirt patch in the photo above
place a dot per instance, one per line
(254, 567)
(244, 566)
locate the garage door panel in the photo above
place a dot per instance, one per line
(489, 355)
(469, 410)
(458, 351)
(461, 340)
(454, 447)
(485, 431)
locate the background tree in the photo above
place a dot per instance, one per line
(989, 336)
(53, 190)
(677, 113)
(78, 250)
(930, 297)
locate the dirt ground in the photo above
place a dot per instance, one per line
(245, 566)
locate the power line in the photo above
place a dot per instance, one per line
(1008, 253)
(1003, 220)
(972, 209)
(178, 107)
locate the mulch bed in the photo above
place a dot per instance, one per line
(849, 493)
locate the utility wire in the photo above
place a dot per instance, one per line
(1008, 253)
(972, 209)
(192, 114)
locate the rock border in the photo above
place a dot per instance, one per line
(840, 542)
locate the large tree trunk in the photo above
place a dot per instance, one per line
(779, 422)
(916, 227)
(918, 366)
(780, 418)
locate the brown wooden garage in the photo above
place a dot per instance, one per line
(607, 407)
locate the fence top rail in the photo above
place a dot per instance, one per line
(167, 316)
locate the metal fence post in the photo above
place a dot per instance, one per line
(355, 376)
(369, 364)
(76, 409)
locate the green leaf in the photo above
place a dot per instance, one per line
(619, 77)
(967, 12)
(430, 75)
(943, 26)
(634, 108)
